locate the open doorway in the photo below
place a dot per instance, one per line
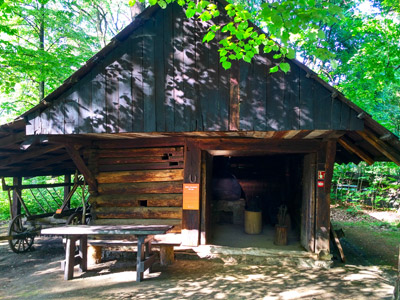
(264, 183)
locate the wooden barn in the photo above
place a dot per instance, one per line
(160, 131)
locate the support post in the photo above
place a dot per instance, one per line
(325, 163)
(191, 213)
(16, 204)
(67, 189)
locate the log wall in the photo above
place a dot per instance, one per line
(138, 186)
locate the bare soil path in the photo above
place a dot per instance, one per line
(37, 275)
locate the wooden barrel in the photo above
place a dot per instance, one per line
(281, 235)
(252, 222)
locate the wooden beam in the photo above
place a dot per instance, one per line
(268, 145)
(380, 145)
(325, 163)
(81, 166)
(140, 143)
(58, 171)
(192, 174)
(140, 176)
(349, 146)
(16, 204)
(13, 138)
(29, 154)
(37, 186)
(67, 189)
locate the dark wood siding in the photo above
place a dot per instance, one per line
(162, 78)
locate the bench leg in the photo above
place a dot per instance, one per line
(83, 253)
(70, 249)
(140, 259)
(148, 253)
(94, 254)
(167, 256)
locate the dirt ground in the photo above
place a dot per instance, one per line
(37, 275)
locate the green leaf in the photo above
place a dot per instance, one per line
(162, 4)
(209, 36)
(274, 69)
(277, 56)
(226, 65)
(152, 2)
(321, 34)
(190, 13)
(285, 67)
(291, 53)
(247, 59)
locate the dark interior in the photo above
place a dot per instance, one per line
(259, 183)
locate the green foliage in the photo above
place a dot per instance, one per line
(376, 186)
(44, 42)
(285, 24)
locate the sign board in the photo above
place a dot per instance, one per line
(191, 196)
(320, 183)
(321, 175)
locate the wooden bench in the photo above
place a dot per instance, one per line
(95, 248)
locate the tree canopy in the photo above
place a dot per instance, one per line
(351, 44)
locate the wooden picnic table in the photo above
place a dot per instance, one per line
(143, 233)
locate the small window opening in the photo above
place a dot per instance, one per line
(143, 203)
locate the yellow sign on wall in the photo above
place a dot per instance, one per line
(191, 196)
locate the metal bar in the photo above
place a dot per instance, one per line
(48, 204)
(37, 201)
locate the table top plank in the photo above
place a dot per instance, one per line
(107, 230)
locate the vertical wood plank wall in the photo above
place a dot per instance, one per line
(162, 78)
(139, 186)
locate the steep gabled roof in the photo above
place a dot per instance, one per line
(226, 103)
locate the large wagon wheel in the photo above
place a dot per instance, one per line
(20, 244)
(75, 219)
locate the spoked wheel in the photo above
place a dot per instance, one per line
(75, 219)
(21, 243)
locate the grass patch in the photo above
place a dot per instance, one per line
(390, 232)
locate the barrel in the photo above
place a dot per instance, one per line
(252, 222)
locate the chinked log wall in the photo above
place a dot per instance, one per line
(138, 186)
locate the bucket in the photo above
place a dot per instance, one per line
(252, 222)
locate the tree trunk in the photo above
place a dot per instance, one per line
(41, 48)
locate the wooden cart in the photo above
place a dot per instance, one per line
(23, 228)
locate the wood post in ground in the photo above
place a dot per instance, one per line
(94, 254)
(166, 255)
(281, 235)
